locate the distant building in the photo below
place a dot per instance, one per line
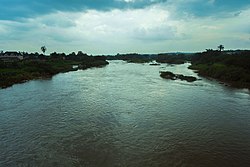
(231, 52)
(11, 56)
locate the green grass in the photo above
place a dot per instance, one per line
(17, 72)
(236, 76)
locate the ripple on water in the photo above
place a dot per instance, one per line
(124, 115)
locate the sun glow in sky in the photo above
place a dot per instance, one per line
(122, 26)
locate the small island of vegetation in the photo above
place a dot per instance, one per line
(172, 76)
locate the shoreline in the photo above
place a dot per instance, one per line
(41, 70)
(228, 83)
(42, 77)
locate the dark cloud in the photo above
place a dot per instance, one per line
(203, 8)
(237, 14)
(16, 9)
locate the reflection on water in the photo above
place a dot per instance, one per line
(124, 115)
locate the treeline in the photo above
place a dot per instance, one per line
(84, 61)
(36, 66)
(178, 58)
(229, 67)
(171, 58)
(132, 57)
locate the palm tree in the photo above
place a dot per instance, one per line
(221, 47)
(43, 48)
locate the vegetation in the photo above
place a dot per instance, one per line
(172, 58)
(132, 58)
(221, 47)
(230, 67)
(36, 66)
(43, 48)
(227, 66)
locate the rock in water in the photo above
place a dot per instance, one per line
(168, 75)
(172, 76)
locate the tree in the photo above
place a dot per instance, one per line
(221, 47)
(209, 50)
(43, 48)
(80, 53)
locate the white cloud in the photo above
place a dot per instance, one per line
(207, 32)
(211, 2)
(152, 29)
(113, 30)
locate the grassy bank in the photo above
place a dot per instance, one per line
(232, 69)
(21, 71)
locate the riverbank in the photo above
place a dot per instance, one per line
(21, 71)
(233, 70)
(231, 76)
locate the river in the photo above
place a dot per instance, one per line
(124, 114)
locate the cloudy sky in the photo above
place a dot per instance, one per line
(122, 26)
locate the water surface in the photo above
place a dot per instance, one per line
(124, 115)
